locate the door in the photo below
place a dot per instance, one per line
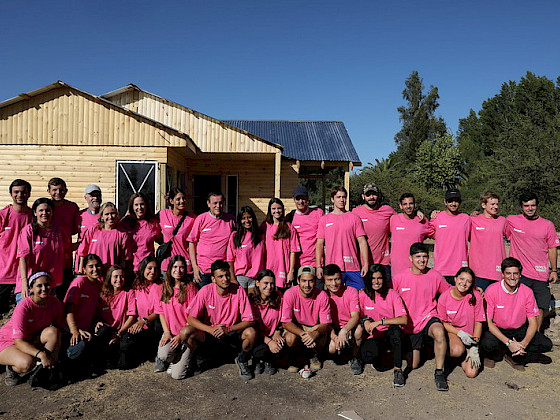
(202, 186)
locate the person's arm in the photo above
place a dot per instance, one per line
(196, 268)
(43, 355)
(553, 259)
(291, 269)
(23, 274)
(364, 253)
(127, 324)
(531, 331)
(369, 326)
(293, 328)
(240, 326)
(477, 330)
(166, 336)
(320, 330)
(139, 324)
(512, 345)
(217, 330)
(319, 246)
(345, 332)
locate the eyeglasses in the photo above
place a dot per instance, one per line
(370, 193)
(301, 198)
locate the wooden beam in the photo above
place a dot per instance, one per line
(277, 173)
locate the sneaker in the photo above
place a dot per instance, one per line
(489, 363)
(315, 364)
(538, 358)
(517, 366)
(398, 378)
(12, 378)
(244, 371)
(169, 368)
(305, 373)
(356, 366)
(269, 368)
(259, 367)
(159, 366)
(293, 369)
(440, 380)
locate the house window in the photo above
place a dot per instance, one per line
(133, 177)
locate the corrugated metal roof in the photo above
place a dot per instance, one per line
(305, 140)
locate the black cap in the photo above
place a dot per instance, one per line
(301, 191)
(452, 193)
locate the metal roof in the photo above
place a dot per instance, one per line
(305, 140)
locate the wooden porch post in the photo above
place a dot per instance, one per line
(277, 172)
(347, 183)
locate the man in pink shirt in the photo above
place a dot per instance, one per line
(451, 232)
(487, 249)
(512, 322)
(13, 219)
(208, 238)
(89, 216)
(534, 242)
(306, 318)
(418, 288)
(222, 311)
(338, 232)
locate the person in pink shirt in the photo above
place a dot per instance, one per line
(338, 233)
(88, 217)
(245, 251)
(178, 292)
(105, 240)
(266, 301)
(512, 311)
(33, 333)
(534, 242)
(345, 315)
(13, 219)
(306, 318)
(418, 288)
(41, 247)
(142, 227)
(169, 219)
(282, 244)
(406, 228)
(383, 315)
(117, 313)
(222, 311)
(209, 238)
(451, 232)
(461, 310)
(487, 249)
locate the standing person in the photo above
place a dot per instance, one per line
(245, 251)
(106, 241)
(534, 242)
(41, 247)
(382, 317)
(461, 309)
(282, 244)
(375, 218)
(209, 237)
(487, 250)
(13, 219)
(169, 219)
(142, 227)
(89, 216)
(512, 322)
(406, 228)
(338, 232)
(451, 232)
(67, 216)
(418, 288)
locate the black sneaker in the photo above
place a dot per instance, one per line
(244, 370)
(269, 368)
(398, 378)
(356, 366)
(259, 367)
(538, 358)
(12, 378)
(440, 380)
(159, 366)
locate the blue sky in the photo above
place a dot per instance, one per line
(289, 60)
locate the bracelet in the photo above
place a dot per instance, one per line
(509, 342)
(383, 321)
(167, 332)
(118, 334)
(38, 354)
(145, 320)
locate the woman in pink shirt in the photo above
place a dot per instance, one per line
(142, 227)
(177, 293)
(282, 244)
(106, 241)
(461, 310)
(266, 302)
(32, 335)
(245, 251)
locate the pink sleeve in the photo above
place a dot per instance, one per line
(508, 229)
(230, 255)
(325, 309)
(245, 306)
(354, 302)
(127, 245)
(432, 230)
(321, 228)
(287, 312)
(398, 305)
(551, 236)
(196, 307)
(358, 227)
(442, 284)
(131, 301)
(194, 234)
(479, 315)
(24, 238)
(490, 306)
(18, 322)
(158, 307)
(294, 240)
(84, 245)
(531, 308)
(441, 309)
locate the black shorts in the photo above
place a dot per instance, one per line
(417, 340)
(227, 346)
(541, 290)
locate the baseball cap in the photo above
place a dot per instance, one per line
(301, 191)
(91, 188)
(306, 269)
(452, 193)
(371, 187)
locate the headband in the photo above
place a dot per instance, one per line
(35, 276)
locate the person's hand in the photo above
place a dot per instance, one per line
(197, 274)
(24, 289)
(466, 338)
(308, 340)
(165, 338)
(434, 214)
(319, 272)
(516, 348)
(290, 277)
(175, 342)
(553, 276)
(475, 213)
(421, 216)
(480, 290)
(278, 338)
(218, 331)
(371, 325)
(474, 356)
(137, 326)
(274, 346)
(97, 326)
(363, 271)
(46, 359)
(342, 339)
(116, 337)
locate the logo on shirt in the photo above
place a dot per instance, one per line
(296, 310)
(329, 224)
(405, 289)
(399, 228)
(94, 240)
(38, 242)
(370, 308)
(541, 269)
(499, 268)
(297, 227)
(451, 312)
(479, 228)
(464, 263)
(348, 259)
(168, 227)
(442, 226)
(84, 296)
(30, 320)
(206, 229)
(500, 306)
(364, 220)
(7, 227)
(518, 230)
(211, 307)
(243, 246)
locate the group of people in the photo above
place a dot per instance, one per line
(293, 291)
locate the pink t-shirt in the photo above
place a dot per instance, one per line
(176, 313)
(47, 254)
(510, 310)
(143, 234)
(530, 242)
(376, 226)
(418, 291)
(268, 318)
(212, 309)
(147, 300)
(112, 246)
(115, 312)
(459, 312)
(211, 236)
(84, 294)
(451, 232)
(306, 311)
(343, 305)
(390, 307)
(168, 222)
(30, 318)
(404, 232)
(11, 224)
(487, 250)
(247, 260)
(340, 232)
(306, 225)
(278, 252)
(87, 220)
(67, 216)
